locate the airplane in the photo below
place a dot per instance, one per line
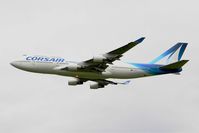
(100, 69)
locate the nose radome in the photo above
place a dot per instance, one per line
(12, 63)
(15, 64)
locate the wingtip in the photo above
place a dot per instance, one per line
(139, 40)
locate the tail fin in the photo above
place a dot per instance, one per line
(174, 66)
(173, 54)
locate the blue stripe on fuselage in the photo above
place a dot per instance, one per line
(153, 69)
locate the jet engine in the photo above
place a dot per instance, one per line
(75, 82)
(96, 85)
(99, 58)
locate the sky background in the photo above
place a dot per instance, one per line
(79, 29)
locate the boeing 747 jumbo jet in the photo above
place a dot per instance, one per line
(100, 69)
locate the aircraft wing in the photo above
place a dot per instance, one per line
(125, 48)
(100, 63)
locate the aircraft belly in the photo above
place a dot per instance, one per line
(126, 73)
(85, 75)
(109, 73)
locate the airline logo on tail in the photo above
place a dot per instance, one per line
(173, 54)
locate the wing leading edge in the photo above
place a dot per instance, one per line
(126, 47)
(99, 64)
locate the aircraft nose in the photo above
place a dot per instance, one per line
(15, 64)
(12, 63)
(22, 65)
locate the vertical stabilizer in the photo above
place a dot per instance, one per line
(173, 54)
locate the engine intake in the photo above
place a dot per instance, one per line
(99, 58)
(75, 82)
(96, 85)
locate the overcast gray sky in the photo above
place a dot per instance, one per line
(79, 29)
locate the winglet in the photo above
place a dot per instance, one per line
(139, 40)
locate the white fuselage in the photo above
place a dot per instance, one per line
(113, 71)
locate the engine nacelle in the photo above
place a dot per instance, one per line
(96, 85)
(99, 58)
(75, 82)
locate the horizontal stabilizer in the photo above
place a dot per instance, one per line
(125, 83)
(174, 66)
